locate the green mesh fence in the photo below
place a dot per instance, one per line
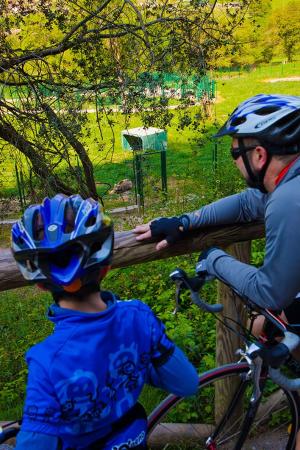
(151, 83)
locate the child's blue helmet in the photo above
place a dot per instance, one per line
(273, 119)
(64, 243)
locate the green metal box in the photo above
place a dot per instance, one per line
(143, 139)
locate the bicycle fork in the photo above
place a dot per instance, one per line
(257, 377)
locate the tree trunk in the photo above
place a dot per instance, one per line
(79, 149)
(39, 164)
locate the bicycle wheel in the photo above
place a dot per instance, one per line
(209, 421)
(8, 433)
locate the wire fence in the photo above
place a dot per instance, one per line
(150, 84)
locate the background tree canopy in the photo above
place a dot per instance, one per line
(59, 58)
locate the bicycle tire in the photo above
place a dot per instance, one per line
(8, 435)
(271, 428)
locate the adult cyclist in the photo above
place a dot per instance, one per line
(265, 132)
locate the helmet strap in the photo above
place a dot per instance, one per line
(256, 180)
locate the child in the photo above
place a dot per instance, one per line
(85, 379)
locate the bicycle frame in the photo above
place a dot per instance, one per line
(255, 366)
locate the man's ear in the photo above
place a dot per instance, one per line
(260, 156)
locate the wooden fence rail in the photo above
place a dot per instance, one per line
(128, 251)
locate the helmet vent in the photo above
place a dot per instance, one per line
(290, 120)
(238, 121)
(95, 247)
(63, 258)
(38, 227)
(69, 219)
(266, 110)
(290, 126)
(20, 241)
(90, 221)
(30, 266)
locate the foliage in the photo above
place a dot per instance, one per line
(248, 44)
(257, 252)
(270, 30)
(59, 58)
(284, 27)
(22, 325)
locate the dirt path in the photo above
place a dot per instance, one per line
(277, 80)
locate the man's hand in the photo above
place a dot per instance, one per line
(201, 266)
(144, 232)
(171, 228)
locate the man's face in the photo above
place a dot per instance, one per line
(239, 161)
(248, 142)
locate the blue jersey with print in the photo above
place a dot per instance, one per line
(90, 372)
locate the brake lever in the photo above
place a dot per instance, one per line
(177, 297)
(180, 278)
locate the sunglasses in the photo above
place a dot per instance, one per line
(236, 152)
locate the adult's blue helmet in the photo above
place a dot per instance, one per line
(64, 243)
(273, 119)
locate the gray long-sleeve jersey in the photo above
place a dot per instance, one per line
(276, 283)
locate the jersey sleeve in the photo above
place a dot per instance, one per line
(36, 441)
(275, 284)
(41, 410)
(177, 375)
(247, 206)
(162, 347)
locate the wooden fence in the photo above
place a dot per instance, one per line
(128, 251)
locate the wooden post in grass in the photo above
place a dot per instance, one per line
(227, 341)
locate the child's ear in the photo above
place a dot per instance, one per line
(42, 287)
(103, 272)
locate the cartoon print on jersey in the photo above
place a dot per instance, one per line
(145, 360)
(31, 411)
(41, 414)
(125, 376)
(78, 398)
(86, 398)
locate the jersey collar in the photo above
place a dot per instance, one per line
(284, 171)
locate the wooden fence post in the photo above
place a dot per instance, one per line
(227, 342)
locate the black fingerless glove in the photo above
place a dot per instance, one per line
(170, 228)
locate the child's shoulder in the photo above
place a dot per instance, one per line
(44, 352)
(134, 304)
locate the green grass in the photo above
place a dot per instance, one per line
(234, 88)
(23, 324)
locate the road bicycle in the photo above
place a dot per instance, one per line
(262, 411)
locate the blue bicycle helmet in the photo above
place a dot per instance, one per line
(273, 119)
(64, 243)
